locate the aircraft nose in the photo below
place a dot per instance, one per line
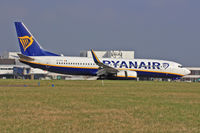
(187, 71)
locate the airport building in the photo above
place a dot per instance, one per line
(194, 76)
(109, 54)
(10, 67)
(10, 55)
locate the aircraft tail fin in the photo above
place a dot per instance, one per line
(28, 44)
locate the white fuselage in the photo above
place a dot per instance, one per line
(86, 66)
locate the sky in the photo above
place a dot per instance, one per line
(154, 29)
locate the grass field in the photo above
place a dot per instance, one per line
(87, 106)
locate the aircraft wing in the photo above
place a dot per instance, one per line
(103, 69)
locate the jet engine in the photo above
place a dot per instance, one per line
(123, 74)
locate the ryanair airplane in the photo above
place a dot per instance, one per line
(35, 56)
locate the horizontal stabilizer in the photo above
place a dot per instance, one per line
(24, 57)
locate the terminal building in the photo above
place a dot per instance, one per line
(10, 67)
(109, 54)
(194, 76)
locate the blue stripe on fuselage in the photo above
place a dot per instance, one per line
(63, 70)
(156, 74)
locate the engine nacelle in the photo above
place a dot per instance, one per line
(126, 74)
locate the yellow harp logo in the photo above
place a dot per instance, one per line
(26, 41)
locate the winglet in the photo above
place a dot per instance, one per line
(95, 58)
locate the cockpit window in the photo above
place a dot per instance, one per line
(180, 66)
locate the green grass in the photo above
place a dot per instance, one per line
(87, 106)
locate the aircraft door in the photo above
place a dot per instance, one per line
(47, 65)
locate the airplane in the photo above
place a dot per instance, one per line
(35, 56)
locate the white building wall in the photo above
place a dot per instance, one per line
(6, 69)
(98, 53)
(109, 54)
(194, 75)
(11, 55)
